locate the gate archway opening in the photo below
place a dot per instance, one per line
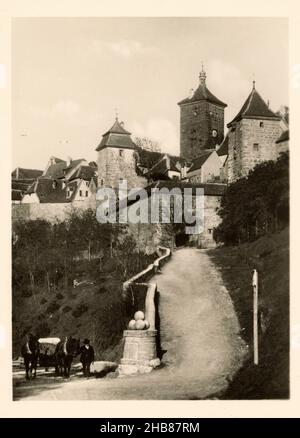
(181, 239)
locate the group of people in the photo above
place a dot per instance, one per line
(61, 358)
(86, 351)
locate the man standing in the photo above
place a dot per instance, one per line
(87, 357)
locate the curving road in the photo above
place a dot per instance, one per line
(199, 335)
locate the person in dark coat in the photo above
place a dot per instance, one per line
(87, 356)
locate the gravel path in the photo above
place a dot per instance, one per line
(199, 334)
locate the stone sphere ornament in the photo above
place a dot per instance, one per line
(139, 315)
(131, 324)
(140, 324)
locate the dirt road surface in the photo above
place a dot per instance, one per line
(199, 336)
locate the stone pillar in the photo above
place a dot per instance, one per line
(139, 352)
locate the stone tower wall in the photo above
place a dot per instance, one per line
(197, 120)
(250, 144)
(112, 166)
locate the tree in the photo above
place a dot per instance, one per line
(147, 144)
(256, 204)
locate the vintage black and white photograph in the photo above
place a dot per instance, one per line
(150, 208)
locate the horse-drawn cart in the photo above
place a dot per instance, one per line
(47, 348)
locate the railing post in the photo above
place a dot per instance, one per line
(255, 316)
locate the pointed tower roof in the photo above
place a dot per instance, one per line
(202, 93)
(117, 128)
(116, 137)
(254, 108)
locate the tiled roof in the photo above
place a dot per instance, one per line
(254, 108)
(198, 162)
(202, 93)
(210, 189)
(167, 162)
(74, 163)
(51, 191)
(22, 186)
(117, 137)
(148, 159)
(223, 149)
(160, 168)
(57, 160)
(93, 164)
(56, 170)
(174, 160)
(22, 173)
(117, 128)
(116, 140)
(285, 136)
(84, 172)
(16, 195)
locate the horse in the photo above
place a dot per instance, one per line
(64, 354)
(30, 352)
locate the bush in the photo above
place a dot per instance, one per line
(53, 307)
(79, 310)
(43, 330)
(66, 309)
(101, 290)
(59, 296)
(26, 293)
(43, 301)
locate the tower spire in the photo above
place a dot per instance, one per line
(202, 75)
(253, 81)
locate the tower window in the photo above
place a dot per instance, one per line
(256, 146)
(86, 193)
(261, 124)
(121, 152)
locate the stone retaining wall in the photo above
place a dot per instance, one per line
(143, 276)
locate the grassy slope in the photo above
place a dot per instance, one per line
(95, 311)
(270, 256)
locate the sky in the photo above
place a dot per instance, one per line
(71, 75)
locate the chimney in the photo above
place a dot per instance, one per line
(69, 159)
(184, 171)
(168, 161)
(17, 173)
(191, 93)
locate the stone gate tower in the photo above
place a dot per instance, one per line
(201, 121)
(251, 136)
(117, 158)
